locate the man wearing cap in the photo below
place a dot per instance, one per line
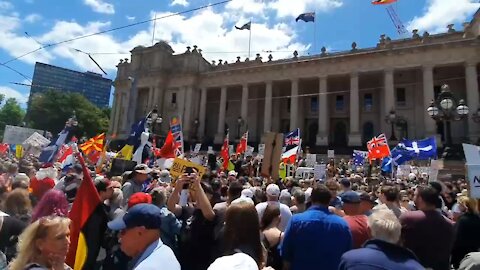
(135, 183)
(140, 238)
(273, 193)
(357, 222)
(367, 202)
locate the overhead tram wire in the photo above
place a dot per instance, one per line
(116, 28)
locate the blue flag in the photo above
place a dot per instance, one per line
(400, 156)
(422, 149)
(387, 165)
(48, 153)
(136, 132)
(306, 17)
(359, 157)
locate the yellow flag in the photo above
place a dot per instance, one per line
(19, 151)
(282, 172)
(126, 152)
(231, 166)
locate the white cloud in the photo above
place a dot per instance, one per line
(130, 18)
(180, 3)
(100, 6)
(5, 5)
(246, 6)
(12, 93)
(289, 8)
(32, 18)
(439, 13)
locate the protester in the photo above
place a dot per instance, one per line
(136, 181)
(10, 229)
(427, 232)
(389, 198)
(18, 205)
(357, 222)
(171, 226)
(43, 245)
(298, 202)
(316, 238)
(467, 237)
(367, 202)
(273, 194)
(382, 251)
(140, 238)
(54, 202)
(272, 236)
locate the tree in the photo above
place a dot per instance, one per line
(10, 114)
(50, 110)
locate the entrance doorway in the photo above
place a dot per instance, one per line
(339, 133)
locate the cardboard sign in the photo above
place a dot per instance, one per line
(180, 165)
(198, 146)
(331, 153)
(17, 135)
(319, 171)
(474, 180)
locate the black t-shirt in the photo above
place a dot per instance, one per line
(11, 229)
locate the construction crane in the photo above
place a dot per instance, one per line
(399, 26)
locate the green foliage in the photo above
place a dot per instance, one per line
(10, 114)
(50, 110)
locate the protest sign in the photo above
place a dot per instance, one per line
(474, 180)
(331, 153)
(180, 165)
(198, 146)
(249, 151)
(261, 149)
(472, 153)
(319, 171)
(17, 135)
(311, 160)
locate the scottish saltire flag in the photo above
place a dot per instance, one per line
(247, 26)
(292, 138)
(306, 17)
(359, 157)
(422, 149)
(400, 156)
(387, 165)
(176, 128)
(135, 133)
(48, 153)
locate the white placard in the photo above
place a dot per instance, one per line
(249, 151)
(231, 150)
(311, 160)
(472, 153)
(474, 179)
(319, 171)
(17, 135)
(261, 149)
(210, 150)
(197, 148)
(331, 153)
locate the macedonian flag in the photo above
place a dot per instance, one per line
(93, 144)
(84, 245)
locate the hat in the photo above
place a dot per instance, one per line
(350, 197)
(143, 214)
(273, 190)
(142, 168)
(237, 261)
(102, 183)
(21, 177)
(247, 193)
(164, 177)
(243, 200)
(364, 196)
(139, 197)
(232, 173)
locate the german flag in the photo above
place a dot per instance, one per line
(86, 203)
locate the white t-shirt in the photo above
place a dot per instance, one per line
(285, 213)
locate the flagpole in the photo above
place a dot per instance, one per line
(249, 39)
(154, 26)
(315, 33)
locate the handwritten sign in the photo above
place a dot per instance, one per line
(474, 179)
(179, 167)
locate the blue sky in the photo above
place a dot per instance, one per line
(338, 24)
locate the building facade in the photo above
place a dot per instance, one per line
(91, 85)
(335, 99)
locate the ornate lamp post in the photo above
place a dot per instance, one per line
(445, 109)
(392, 119)
(153, 118)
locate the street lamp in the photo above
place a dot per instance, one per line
(445, 110)
(153, 118)
(391, 119)
(240, 124)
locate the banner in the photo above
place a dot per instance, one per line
(474, 180)
(176, 128)
(180, 165)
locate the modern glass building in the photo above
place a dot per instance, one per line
(91, 85)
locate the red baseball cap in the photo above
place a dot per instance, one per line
(139, 197)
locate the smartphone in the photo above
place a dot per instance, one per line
(189, 170)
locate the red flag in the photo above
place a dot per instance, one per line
(378, 147)
(290, 156)
(86, 201)
(225, 153)
(4, 147)
(168, 149)
(242, 146)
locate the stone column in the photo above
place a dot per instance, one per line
(111, 125)
(267, 116)
(428, 96)
(294, 105)
(221, 116)
(323, 118)
(355, 138)
(187, 117)
(244, 106)
(203, 113)
(389, 99)
(471, 78)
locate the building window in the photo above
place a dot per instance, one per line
(368, 102)
(314, 104)
(174, 98)
(339, 103)
(401, 97)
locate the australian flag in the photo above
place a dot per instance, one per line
(306, 17)
(293, 138)
(359, 157)
(421, 150)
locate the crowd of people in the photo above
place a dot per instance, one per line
(236, 220)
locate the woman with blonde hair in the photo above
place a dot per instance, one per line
(18, 205)
(43, 245)
(467, 238)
